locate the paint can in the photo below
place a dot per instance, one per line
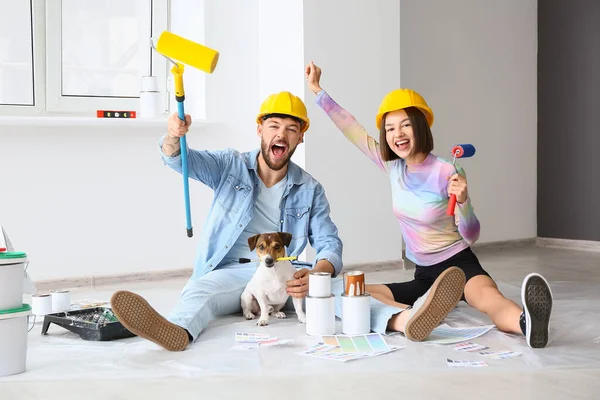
(354, 283)
(356, 314)
(12, 276)
(13, 340)
(320, 315)
(319, 284)
(41, 304)
(61, 300)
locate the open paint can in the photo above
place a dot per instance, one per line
(12, 276)
(354, 283)
(13, 340)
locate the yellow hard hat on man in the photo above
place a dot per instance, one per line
(403, 98)
(284, 103)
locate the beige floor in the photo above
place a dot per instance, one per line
(62, 366)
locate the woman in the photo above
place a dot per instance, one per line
(421, 186)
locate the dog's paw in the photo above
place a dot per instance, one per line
(302, 318)
(262, 322)
(271, 309)
(249, 315)
(280, 315)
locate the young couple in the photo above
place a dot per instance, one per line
(263, 191)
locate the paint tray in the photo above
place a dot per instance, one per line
(95, 324)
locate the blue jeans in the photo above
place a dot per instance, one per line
(218, 293)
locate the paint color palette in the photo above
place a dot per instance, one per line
(334, 352)
(445, 334)
(469, 346)
(500, 355)
(370, 343)
(251, 337)
(465, 364)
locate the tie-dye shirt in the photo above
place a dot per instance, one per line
(419, 195)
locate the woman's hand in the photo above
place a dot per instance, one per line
(313, 77)
(458, 187)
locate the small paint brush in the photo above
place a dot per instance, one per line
(248, 260)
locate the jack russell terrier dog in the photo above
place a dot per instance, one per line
(266, 291)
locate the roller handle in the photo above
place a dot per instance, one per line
(177, 71)
(451, 205)
(459, 151)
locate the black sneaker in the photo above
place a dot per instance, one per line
(537, 307)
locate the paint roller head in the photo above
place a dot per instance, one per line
(463, 150)
(186, 52)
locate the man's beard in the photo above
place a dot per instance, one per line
(266, 153)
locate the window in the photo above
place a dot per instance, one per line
(16, 53)
(95, 53)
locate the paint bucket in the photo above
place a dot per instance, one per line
(320, 315)
(13, 340)
(319, 284)
(61, 301)
(356, 314)
(12, 276)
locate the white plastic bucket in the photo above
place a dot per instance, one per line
(13, 340)
(12, 275)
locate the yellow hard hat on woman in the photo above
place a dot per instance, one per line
(403, 98)
(284, 103)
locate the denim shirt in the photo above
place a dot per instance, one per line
(233, 177)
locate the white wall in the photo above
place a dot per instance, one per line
(349, 41)
(475, 62)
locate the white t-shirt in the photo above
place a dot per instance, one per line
(267, 214)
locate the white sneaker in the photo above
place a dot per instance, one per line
(536, 297)
(431, 308)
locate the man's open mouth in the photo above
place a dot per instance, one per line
(279, 150)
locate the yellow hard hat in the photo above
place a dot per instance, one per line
(287, 104)
(403, 98)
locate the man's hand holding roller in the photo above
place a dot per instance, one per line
(176, 128)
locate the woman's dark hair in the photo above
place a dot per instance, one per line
(423, 137)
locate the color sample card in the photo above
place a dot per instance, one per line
(465, 364)
(370, 343)
(331, 352)
(469, 346)
(251, 337)
(445, 334)
(499, 355)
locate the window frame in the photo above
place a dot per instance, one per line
(47, 67)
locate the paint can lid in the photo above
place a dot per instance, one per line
(12, 254)
(16, 312)
(12, 257)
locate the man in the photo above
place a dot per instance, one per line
(255, 192)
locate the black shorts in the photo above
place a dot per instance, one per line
(409, 292)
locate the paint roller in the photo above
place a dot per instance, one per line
(459, 151)
(174, 47)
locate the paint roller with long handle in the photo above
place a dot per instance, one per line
(459, 151)
(174, 47)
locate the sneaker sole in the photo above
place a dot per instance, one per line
(536, 297)
(141, 319)
(445, 293)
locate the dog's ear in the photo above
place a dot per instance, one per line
(252, 242)
(286, 238)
